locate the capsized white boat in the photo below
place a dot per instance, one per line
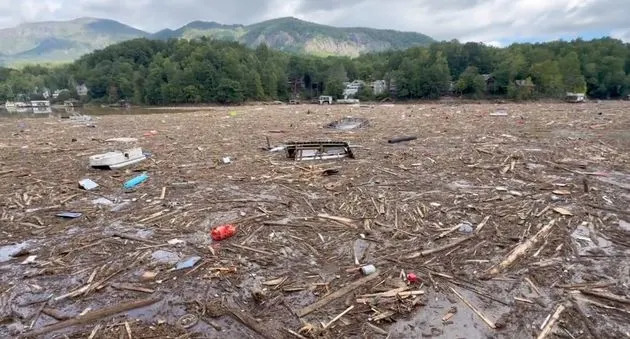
(117, 159)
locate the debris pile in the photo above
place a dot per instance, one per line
(482, 227)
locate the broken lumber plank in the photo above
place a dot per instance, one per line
(253, 249)
(133, 238)
(338, 316)
(92, 316)
(438, 249)
(130, 287)
(521, 249)
(341, 220)
(337, 294)
(58, 315)
(609, 209)
(607, 296)
(552, 322)
(363, 299)
(482, 224)
(488, 322)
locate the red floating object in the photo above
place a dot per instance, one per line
(223, 232)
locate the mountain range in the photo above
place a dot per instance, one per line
(65, 41)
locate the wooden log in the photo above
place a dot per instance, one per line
(552, 322)
(91, 317)
(438, 249)
(521, 249)
(605, 295)
(341, 220)
(488, 322)
(337, 294)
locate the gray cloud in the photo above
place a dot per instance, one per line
(478, 20)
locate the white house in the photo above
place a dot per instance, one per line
(82, 90)
(56, 93)
(45, 93)
(379, 87)
(353, 88)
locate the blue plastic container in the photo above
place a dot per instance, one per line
(131, 183)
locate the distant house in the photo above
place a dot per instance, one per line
(524, 88)
(379, 87)
(393, 87)
(72, 103)
(40, 103)
(57, 92)
(491, 82)
(45, 93)
(524, 83)
(352, 88)
(82, 90)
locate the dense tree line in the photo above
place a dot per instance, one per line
(180, 71)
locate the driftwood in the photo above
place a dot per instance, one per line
(605, 295)
(338, 316)
(521, 249)
(609, 209)
(268, 331)
(552, 322)
(51, 312)
(585, 319)
(92, 316)
(438, 249)
(488, 322)
(335, 295)
(341, 220)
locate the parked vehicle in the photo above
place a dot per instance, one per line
(325, 99)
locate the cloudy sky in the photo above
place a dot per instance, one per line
(489, 21)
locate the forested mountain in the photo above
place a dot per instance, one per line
(56, 41)
(294, 35)
(65, 41)
(210, 71)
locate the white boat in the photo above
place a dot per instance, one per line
(115, 160)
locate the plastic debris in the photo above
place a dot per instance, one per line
(465, 227)
(412, 278)
(122, 140)
(498, 114)
(401, 139)
(131, 183)
(118, 159)
(187, 263)
(69, 215)
(120, 206)
(348, 123)
(223, 232)
(148, 275)
(29, 260)
(88, 184)
(278, 149)
(103, 201)
(562, 211)
(176, 242)
(368, 269)
(165, 257)
(226, 160)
